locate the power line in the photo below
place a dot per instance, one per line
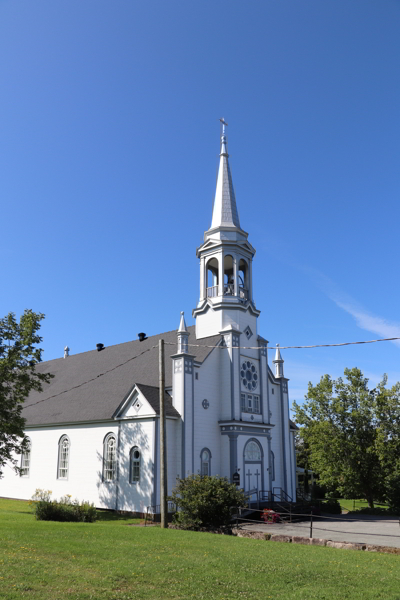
(224, 347)
(92, 379)
(292, 347)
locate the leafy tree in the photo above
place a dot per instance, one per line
(348, 433)
(18, 357)
(205, 501)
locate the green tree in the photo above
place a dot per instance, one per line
(18, 357)
(342, 427)
(206, 501)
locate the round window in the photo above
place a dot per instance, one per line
(249, 375)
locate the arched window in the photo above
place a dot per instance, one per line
(109, 457)
(252, 452)
(212, 278)
(273, 465)
(63, 457)
(229, 279)
(205, 460)
(26, 459)
(135, 465)
(243, 280)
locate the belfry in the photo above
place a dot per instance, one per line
(226, 287)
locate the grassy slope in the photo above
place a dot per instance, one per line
(108, 560)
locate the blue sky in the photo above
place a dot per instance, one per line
(109, 144)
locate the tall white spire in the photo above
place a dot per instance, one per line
(278, 362)
(225, 211)
(183, 336)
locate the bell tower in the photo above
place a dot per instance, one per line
(226, 287)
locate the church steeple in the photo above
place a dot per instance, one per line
(225, 211)
(226, 256)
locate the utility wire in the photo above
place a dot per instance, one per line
(92, 379)
(291, 347)
(224, 347)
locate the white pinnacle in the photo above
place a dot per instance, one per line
(182, 324)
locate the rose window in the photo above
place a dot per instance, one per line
(249, 375)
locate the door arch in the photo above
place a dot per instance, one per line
(253, 461)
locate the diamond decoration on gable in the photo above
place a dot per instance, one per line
(137, 405)
(248, 332)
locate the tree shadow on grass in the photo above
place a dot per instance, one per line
(109, 515)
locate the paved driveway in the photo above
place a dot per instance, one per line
(383, 531)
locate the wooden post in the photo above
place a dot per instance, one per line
(163, 441)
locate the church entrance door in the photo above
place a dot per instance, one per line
(253, 466)
(252, 476)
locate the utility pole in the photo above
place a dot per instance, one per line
(163, 441)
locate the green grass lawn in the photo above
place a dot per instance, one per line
(349, 505)
(109, 560)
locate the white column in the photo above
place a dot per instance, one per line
(235, 274)
(203, 275)
(250, 279)
(221, 274)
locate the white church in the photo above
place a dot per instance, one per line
(94, 430)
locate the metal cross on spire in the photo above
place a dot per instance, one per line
(224, 123)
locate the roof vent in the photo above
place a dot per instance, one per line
(142, 337)
(66, 351)
(99, 347)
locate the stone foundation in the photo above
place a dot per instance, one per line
(296, 539)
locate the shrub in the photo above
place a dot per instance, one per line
(205, 502)
(65, 509)
(331, 506)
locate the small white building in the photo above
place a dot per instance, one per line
(94, 430)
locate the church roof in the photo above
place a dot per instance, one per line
(152, 395)
(92, 385)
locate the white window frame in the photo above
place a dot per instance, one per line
(250, 403)
(253, 459)
(134, 465)
(26, 459)
(205, 463)
(109, 457)
(64, 448)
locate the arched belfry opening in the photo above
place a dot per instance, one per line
(229, 276)
(243, 279)
(212, 278)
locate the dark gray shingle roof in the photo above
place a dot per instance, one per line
(152, 395)
(91, 395)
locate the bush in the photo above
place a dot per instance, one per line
(65, 509)
(205, 502)
(331, 506)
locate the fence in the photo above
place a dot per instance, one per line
(284, 518)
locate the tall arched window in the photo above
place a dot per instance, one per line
(205, 460)
(135, 465)
(26, 459)
(243, 279)
(212, 278)
(109, 457)
(252, 451)
(63, 457)
(229, 279)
